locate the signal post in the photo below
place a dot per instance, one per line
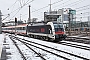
(15, 24)
(0, 22)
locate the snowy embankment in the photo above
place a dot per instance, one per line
(1, 43)
(76, 51)
(32, 56)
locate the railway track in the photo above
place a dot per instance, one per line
(23, 56)
(78, 40)
(48, 49)
(75, 45)
(39, 48)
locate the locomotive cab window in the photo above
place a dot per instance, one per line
(58, 27)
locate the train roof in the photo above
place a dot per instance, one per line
(8, 27)
(55, 22)
(36, 24)
(21, 25)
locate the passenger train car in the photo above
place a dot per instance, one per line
(50, 31)
(19, 29)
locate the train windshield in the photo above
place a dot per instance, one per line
(58, 27)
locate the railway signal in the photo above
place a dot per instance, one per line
(15, 20)
(15, 23)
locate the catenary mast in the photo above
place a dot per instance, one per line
(50, 6)
(0, 22)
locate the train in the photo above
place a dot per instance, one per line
(52, 31)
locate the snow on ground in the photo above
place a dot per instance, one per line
(32, 56)
(13, 50)
(77, 43)
(77, 51)
(1, 43)
(75, 36)
(80, 36)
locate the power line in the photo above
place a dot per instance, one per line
(77, 2)
(56, 2)
(27, 2)
(83, 9)
(61, 4)
(13, 4)
(17, 12)
(21, 7)
(84, 13)
(83, 6)
(44, 7)
(47, 6)
(74, 3)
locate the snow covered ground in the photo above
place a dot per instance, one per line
(1, 43)
(30, 55)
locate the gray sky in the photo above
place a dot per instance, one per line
(38, 7)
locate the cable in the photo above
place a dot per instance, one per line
(27, 2)
(18, 8)
(61, 4)
(84, 13)
(83, 9)
(74, 3)
(82, 6)
(56, 2)
(47, 6)
(22, 7)
(44, 6)
(16, 12)
(13, 4)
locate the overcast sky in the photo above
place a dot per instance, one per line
(38, 7)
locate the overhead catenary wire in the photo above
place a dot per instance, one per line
(21, 7)
(27, 2)
(44, 7)
(18, 9)
(83, 6)
(12, 5)
(74, 3)
(47, 6)
(85, 13)
(37, 9)
(83, 10)
(53, 4)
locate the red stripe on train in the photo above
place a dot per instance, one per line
(59, 32)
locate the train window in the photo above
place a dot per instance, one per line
(19, 28)
(58, 25)
(12, 28)
(23, 28)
